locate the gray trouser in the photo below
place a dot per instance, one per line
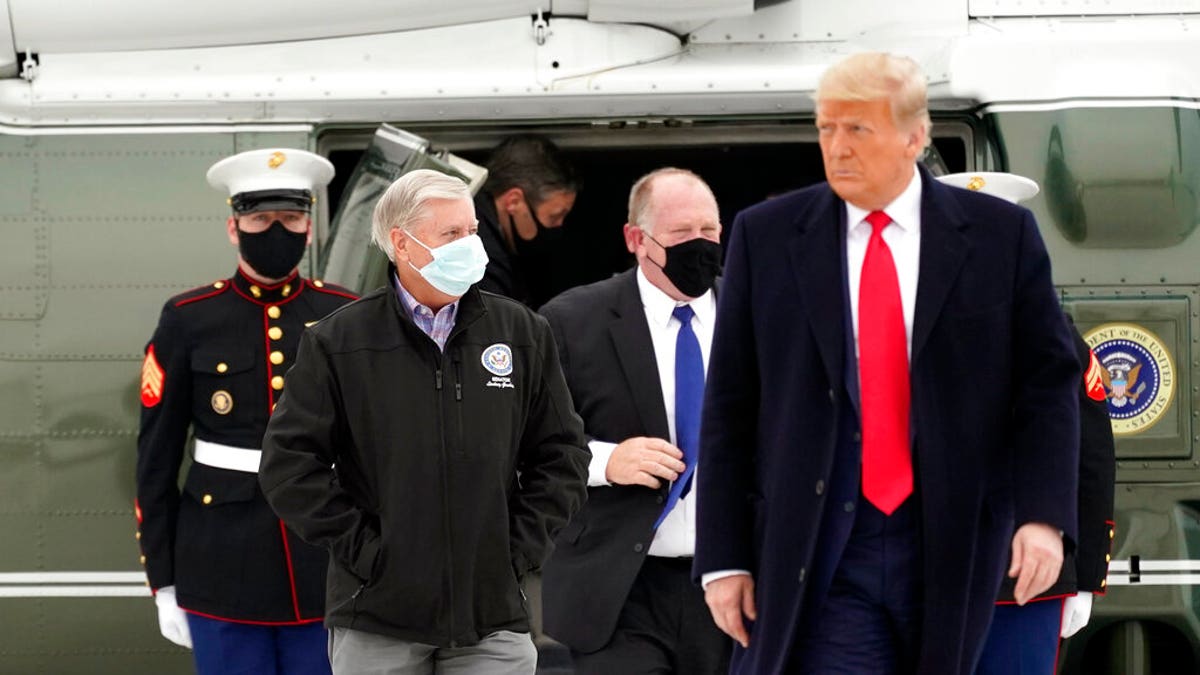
(355, 652)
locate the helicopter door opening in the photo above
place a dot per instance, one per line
(348, 255)
(743, 161)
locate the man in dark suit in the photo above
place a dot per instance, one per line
(618, 589)
(890, 409)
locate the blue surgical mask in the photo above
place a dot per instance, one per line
(455, 266)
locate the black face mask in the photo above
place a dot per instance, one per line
(546, 237)
(692, 265)
(533, 215)
(274, 252)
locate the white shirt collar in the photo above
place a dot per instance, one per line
(659, 305)
(905, 209)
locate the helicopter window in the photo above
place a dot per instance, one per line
(1114, 178)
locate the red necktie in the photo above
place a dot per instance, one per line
(883, 376)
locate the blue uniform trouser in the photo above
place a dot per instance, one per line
(1023, 640)
(229, 648)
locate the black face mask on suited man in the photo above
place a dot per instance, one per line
(692, 265)
(274, 252)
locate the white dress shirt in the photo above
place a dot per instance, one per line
(903, 237)
(677, 535)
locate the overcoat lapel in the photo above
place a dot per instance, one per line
(943, 252)
(815, 251)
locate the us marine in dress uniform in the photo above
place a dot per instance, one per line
(1024, 639)
(230, 580)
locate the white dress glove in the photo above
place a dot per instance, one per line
(172, 621)
(1077, 610)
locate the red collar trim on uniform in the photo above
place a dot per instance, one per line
(268, 294)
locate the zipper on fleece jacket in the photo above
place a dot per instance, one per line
(458, 329)
(461, 440)
(438, 363)
(440, 360)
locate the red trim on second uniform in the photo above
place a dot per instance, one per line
(1093, 379)
(1058, 643)
(287, 555)
(1112, 538)
(1048, 597)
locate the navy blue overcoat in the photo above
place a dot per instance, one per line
(994, 413)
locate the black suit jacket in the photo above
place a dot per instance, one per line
(608, 358)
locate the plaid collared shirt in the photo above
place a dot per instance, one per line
(436, 326)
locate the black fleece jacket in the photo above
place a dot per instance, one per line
(435, 479)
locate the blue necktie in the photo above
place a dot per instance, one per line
(689, 395)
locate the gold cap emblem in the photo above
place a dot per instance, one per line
(276, 160)
(976, 183)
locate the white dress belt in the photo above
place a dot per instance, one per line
(227, 456)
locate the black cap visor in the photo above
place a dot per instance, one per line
(272, 200)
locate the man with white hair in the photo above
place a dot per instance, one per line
(427, 439)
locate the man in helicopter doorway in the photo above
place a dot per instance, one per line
(529, 192)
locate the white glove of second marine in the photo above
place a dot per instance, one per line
(1076, 612)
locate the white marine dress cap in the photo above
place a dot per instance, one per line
(271, 179)
(1007, 186)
